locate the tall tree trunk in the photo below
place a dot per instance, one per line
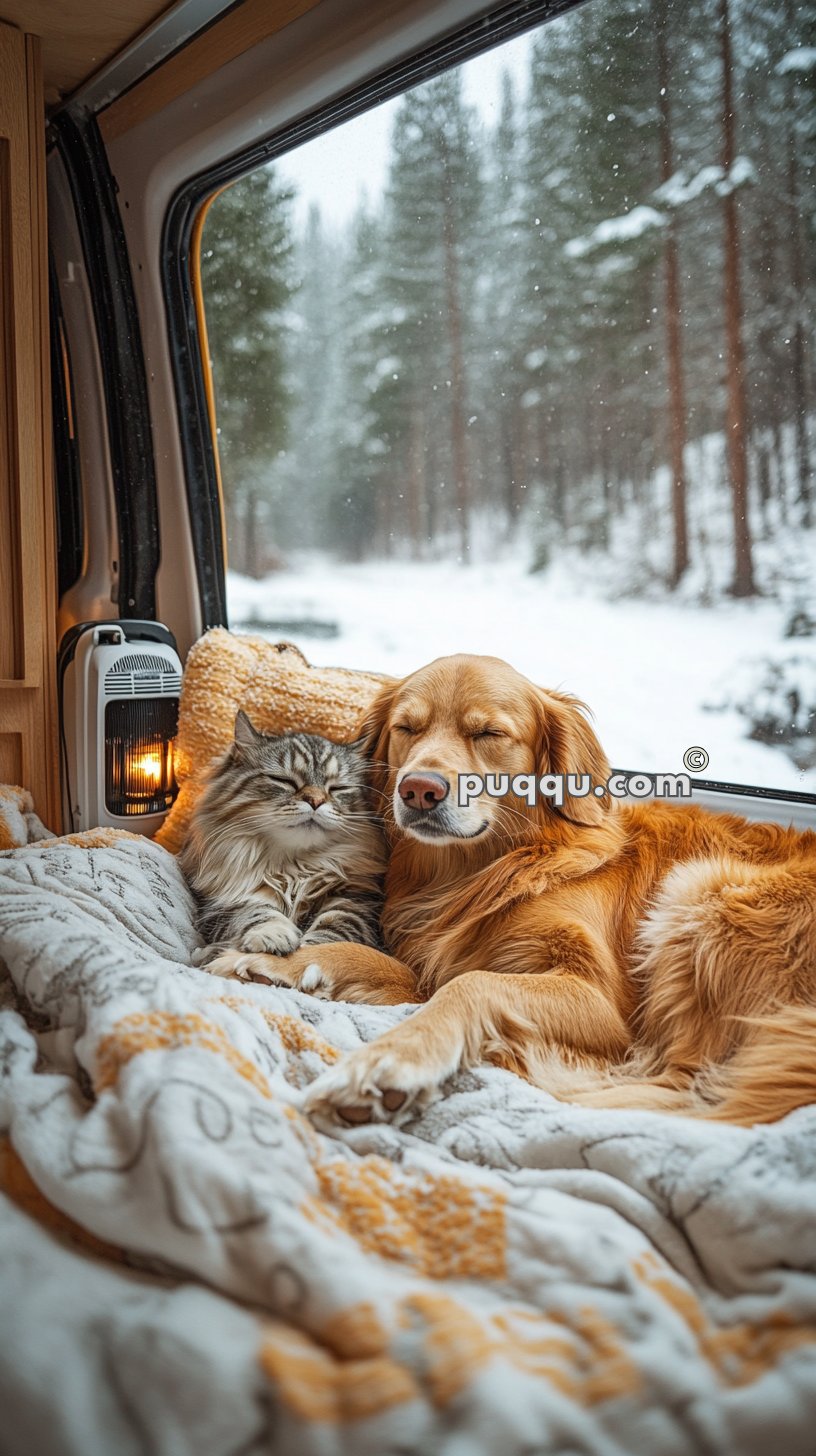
(416, 486)
(674, 345)
(762, 456)
(779, 474)
(382, 513)
(798, 282)
(251, 556)
(508, 469)
(736, 422)
(603, 532)
(461, 479)
(559, 494)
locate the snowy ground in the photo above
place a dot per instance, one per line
(648, 670)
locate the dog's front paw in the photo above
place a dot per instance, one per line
(275, 936)
(383, 1082)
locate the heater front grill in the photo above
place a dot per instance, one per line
(141, 674)
(139, 777)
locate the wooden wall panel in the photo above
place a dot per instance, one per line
(79, 37)
(11, 658)
(28, 705)
(11, 758)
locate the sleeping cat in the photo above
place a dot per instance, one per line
(284, 848)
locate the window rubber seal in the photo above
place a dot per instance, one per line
(119, 340)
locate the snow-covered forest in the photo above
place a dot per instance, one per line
(575, 343)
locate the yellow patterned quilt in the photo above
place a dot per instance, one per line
(188, 1265)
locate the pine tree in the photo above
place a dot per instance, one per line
(364, 508)
(672, 304)
(692, 205)
(428, 278)
(736, 417)
(550, 318)
(616, 163)
(800, 107)
(800, 149)
(306, 474)
(501, 375)
(246, 276)
(592, 154)
(776, 132)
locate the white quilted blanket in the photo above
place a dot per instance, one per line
(507, 1275)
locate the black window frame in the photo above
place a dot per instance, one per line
(121, 355)
(68, 509)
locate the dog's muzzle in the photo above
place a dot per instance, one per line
(423, 791)
(425, 808)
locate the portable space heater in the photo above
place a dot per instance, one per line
(119, 689)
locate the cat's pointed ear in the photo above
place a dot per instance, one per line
(245, 734)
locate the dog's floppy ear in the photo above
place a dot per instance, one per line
(568, 745)
(372, 733)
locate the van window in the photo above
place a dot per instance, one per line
(518, 364)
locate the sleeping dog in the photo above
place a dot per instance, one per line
(618, 953)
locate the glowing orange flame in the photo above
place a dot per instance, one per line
(149, 764)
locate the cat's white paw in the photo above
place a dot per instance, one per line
(231, 964)
(275, 936)
(270, 970)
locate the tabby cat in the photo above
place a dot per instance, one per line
(284, 849)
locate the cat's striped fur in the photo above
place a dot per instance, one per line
(284, 847)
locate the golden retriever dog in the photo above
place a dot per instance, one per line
(618, 953)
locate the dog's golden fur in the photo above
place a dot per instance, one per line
(619, 953)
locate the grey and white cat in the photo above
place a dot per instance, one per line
(284, 848)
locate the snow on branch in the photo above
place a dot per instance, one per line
(681, 189)
(617, 230)
(802, 58)
(742, 174)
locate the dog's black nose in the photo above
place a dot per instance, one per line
(423, 790)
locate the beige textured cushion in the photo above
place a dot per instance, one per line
(275, 685)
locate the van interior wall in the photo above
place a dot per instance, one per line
(28, 697)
